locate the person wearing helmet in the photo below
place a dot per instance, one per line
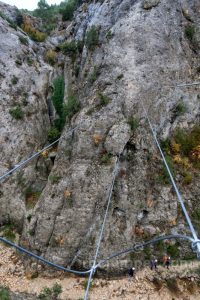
(131, 273)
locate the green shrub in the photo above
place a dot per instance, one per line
(160, 247)
(196, 218)
(69, 48)
(4, 293)
(28, 191)
(93, 76)
(53, 134)
(17, 113)
(190, 32)
(14, 80)
(92, 38)
(59, 123)
(70, 201)
(29, 61)
(65, 111)
(2, 15)
(104, 100)
(72, 48)
(58, 95)
(188, 140)
(109, 35)
(54, 178)
(23, 40)
(196, 214)
(187, 178)
(51, 293)
(31, 197)
(57, 289)
(58, 99)
(45, 294)
(106, 158)
(8, 232)
(173, 250)
(166, 145)
(184, 148)
(33, 33)
(68, 11)
(19, 18)
(48, 14)
(181, 137)
(80, 45)
(147, 252)
(11, 23)
(51, 57)
(180, 109)
(71, 107)
(134, 123)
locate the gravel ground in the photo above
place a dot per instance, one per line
(13, 275)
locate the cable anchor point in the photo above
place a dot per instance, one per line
(196, 247)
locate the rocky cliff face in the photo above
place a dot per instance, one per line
(143, 50)
(24, 119)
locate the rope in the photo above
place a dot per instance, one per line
(187, 84)
(23, 163)
(21, 249)
(182, 85)
(93, 269)
(139, 247)
(196, 243)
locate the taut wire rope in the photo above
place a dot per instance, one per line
(196, 242)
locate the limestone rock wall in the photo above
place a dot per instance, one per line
(24, 120)
(141, 54)
(146, 53)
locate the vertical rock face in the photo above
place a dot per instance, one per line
(141, 54)
(24, 117)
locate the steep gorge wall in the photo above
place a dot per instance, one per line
(147, 53)
(141, 54)
(24, 119)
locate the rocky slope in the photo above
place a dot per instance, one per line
(142, 52)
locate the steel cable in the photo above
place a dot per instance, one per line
(196, 240)
(102, 229)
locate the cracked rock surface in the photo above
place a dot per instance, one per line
(141, 55)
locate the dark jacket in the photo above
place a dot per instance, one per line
(130, 272)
